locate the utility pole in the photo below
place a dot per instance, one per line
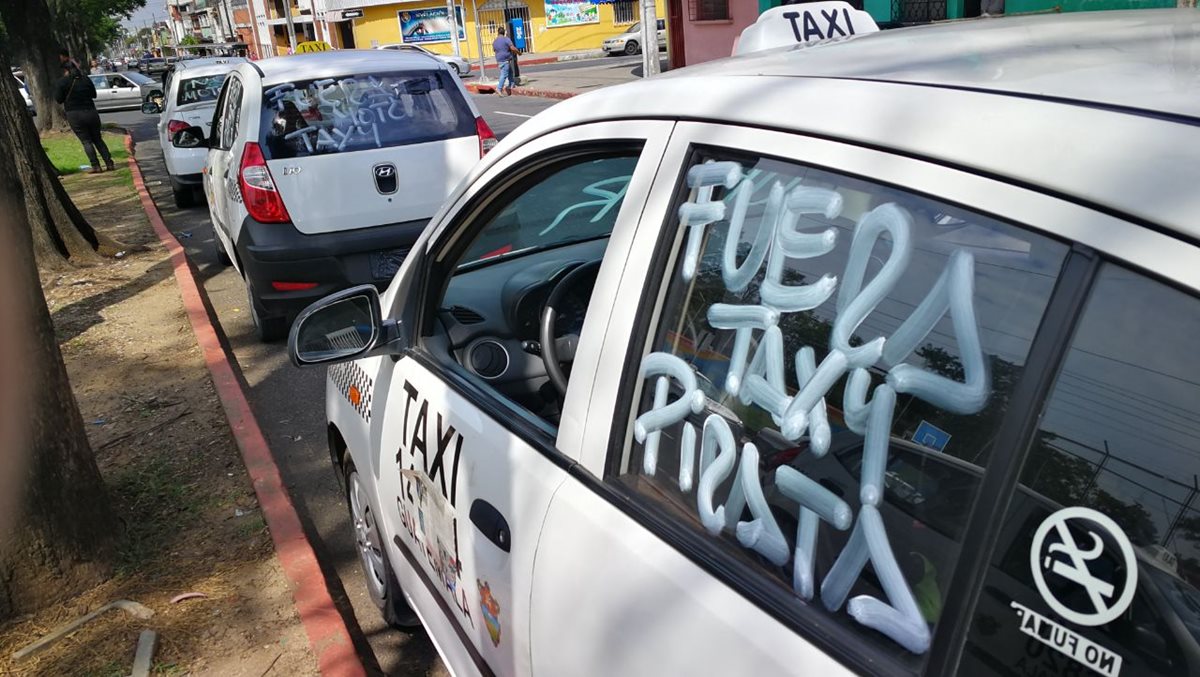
(479, 43)
(291, 27)
(453, 27)
(649, 39)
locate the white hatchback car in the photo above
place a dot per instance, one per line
(868, 357)
(192, 87)
(459, 64)
(324, 168)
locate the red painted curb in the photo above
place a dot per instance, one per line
(327, 633)
(523, 91)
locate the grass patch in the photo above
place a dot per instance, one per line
(66, 152)
(160, 505)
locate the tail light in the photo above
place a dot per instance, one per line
(487, 140)
(176, 126)
(258, 188)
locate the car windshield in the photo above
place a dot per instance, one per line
(138, 78)
(1183, 598)
(362, 112)
(636, 28)
(203, 89)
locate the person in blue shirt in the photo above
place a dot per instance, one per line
(505, 52)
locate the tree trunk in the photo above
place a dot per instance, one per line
(60, 232)
(30, 28)
(57, 535)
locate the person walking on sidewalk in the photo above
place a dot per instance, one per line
(505, 52)
(76, 93)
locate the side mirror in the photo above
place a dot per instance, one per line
(343, 326)
(192, 137)
(151, 108)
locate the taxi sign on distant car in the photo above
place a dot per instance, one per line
(313, 46)
(799, 24)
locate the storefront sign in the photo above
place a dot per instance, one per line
(352, 13)
(422, 26)
(568, 13)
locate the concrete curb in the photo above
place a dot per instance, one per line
(327, 633)
(523, 91)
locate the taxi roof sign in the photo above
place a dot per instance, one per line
(804, 24)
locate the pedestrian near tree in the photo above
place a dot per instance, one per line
(77, 94)
(506, 52)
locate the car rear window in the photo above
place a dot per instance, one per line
(362, 112)
(199, 90)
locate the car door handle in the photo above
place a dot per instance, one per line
(491, 523)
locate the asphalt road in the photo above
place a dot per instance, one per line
(289, 402)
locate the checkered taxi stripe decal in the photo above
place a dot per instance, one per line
(355, 385)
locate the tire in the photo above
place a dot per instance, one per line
(268, 328)
(632, 48)
(184, 196)
(457, 70)
(378, 576)
(219, 250)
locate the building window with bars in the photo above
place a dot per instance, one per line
(625, 12)
(709, 10)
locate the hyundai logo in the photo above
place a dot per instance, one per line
(385, 178)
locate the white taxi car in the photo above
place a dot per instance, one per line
(192, 88)
(323, 168)
(873, 356)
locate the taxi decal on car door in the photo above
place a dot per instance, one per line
(426, 504)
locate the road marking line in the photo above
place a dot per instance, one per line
(515, 115)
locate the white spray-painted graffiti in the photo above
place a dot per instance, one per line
(759, 380)
(330, 114)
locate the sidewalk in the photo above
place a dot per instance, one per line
(538, 58)
(563, 84)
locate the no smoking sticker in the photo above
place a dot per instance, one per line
(1085, 569)
(1066, 554)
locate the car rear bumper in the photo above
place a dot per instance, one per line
(187, 179)
(277, 252)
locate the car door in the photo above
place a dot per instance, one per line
(713, 528)
(219, 188)
(125, 93)
(662, 33)
(103, 91)
(465, 433)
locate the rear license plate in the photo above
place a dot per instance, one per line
(384, 264)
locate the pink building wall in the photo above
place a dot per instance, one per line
(708, 40)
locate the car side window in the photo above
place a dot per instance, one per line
(525, 244)
(1099, 560)
(233, 123)
(821, 387)
(218, 122)
(99, 81)
(228, 114)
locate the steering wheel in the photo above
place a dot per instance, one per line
(557, 349)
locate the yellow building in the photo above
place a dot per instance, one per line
(549, 25)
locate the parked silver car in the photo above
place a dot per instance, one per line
(128, 89)
(629, 42)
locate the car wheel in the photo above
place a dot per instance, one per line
(268, 328)
(457, 69)
(377, 572)
(631, 48)
(219, 250)
(184, 195)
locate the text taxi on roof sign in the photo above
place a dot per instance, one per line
(804, 24)
(676, 384)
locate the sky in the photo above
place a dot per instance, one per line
(143, 16)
